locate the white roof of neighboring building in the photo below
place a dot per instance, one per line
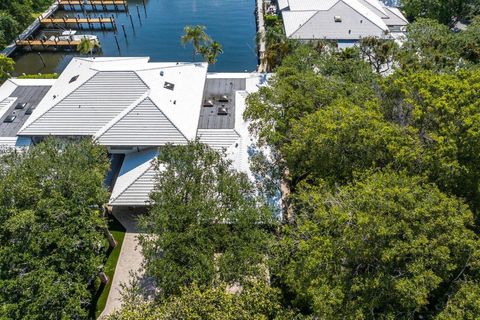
(308, 5)
(101, 96)
(395, 17)
(135, 181)
(315, 19)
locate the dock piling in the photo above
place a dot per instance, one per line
(116, 41)
(41, 58)
(131, 20)
(124, 32)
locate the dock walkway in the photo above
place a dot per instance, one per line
(103, 22)
(261, 36)
(30, 30)
(46, 43)
(95, 5)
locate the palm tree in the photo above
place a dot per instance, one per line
(196, 35)
(86, 46)
(215, 50)
(211, 51)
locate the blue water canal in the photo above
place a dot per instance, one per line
(156, 33)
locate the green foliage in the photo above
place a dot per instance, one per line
(430, 46)
(255, 301)
(444, 110)
(210, 51)
(195, 35)
(433, 46)
(468, 42)
(444, 11)
(87, 46)
(388, 246)
(340, 139)
(208, 223)
(272, 20)
(277, 45)
(8, 26)
(51, 241)
(100, 299)
(381, 54)
(16, 15)
(307, 81)
(39, 76)
(464, 304)
(6, 67)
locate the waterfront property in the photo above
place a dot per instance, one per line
(152, 30)
(343, 21)
(134, 107)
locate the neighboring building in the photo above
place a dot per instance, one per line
(133, 107)
(343, 21)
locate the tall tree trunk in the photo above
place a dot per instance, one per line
(103, 277)
(111, 240)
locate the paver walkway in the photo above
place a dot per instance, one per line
(130, 259)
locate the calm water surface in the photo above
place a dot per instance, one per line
(156, 33)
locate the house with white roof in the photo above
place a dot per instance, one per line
(133, 107)
(342, 21)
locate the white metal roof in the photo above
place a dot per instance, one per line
(294, 20)
(315, 19)
(135, 181)
(92, 95)
(143, 125)
(395, 17)
(376, 6)
(307, 5)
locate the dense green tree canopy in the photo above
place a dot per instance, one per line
(307, 81)
(208, 223)
(340, 139)
(51, 239)
(387, 246)
(6, 67)
(256, 301)
(16, 15)
(444, 110)
(444, 11)
(433, 46)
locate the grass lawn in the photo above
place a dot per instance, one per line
(100, 298)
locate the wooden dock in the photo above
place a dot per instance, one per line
(46, 43)
(95, 5)
(103, 22)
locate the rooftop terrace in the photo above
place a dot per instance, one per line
(31, 95)
(218, 109)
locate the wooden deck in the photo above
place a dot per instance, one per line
(81, 22)
(47, 43)
(76, 20)
(95, 5)
(93, 2)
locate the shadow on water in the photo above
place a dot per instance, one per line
(156, 33)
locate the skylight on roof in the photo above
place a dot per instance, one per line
(73, 79)
(169, 86)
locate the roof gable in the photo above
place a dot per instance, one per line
(136, 179)
(144, 125)
(357, 22)
(89, 107)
